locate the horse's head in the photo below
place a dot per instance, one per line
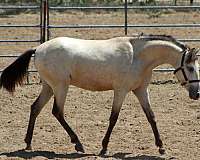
(188, 73)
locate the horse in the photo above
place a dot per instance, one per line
(121, 64)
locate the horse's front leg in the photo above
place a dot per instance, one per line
(119, 96)
(143, 97)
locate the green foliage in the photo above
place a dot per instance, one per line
(151, 2)
(148, 2)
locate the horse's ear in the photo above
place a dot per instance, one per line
(192, 56)
(194, 50)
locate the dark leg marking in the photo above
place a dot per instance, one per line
(74, 138)
(36, 107)
(35, 110)
(143, 97)
(113, 120)
(151, 119)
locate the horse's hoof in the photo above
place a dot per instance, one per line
(161, 151)
(103, 152)
(28, 148)
(79, 148)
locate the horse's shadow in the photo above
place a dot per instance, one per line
(52, 155)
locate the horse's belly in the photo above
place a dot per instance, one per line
(92, 83)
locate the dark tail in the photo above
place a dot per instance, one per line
(15, 73)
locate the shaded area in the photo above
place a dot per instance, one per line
(125, 156)
(52, 155)
(46, 154)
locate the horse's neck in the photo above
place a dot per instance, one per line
(156, 53)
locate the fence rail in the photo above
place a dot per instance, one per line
(45, 27)
(20, 7)
(20, 26)
(122, 7)
(129, 26)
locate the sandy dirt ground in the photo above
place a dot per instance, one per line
(178, 117)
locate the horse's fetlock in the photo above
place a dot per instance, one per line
(105, 142)
(79, 148)
(74, 139)
(159, 143)
(103, 152)
(27, 141)
(161, 150)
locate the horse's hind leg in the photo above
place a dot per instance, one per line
(58, 111)
(36, 107)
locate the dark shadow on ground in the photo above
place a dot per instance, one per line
(128, 156)
(52, 155)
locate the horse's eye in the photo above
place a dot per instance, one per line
(190, 69)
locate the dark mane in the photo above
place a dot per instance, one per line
(165, 38)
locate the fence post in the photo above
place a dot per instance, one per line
(47, 26)
(43, 15)
(44, 20)
(125, 16)
(41, 21)
(175, 2)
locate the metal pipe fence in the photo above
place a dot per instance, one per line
(45, 26)
(40, 26)
(24, 25)
(126, 25)
(126, 8)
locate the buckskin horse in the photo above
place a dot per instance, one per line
(121, 64)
